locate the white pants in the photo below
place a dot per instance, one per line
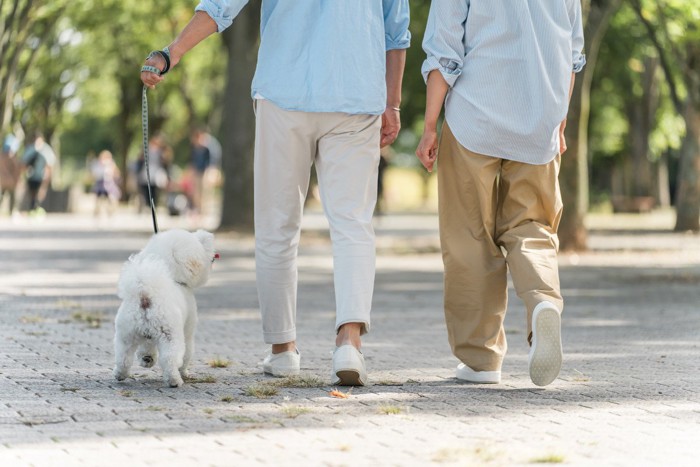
(345, 149)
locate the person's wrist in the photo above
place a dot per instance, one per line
(176, 53)
(430, 127)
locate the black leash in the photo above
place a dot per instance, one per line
(165, 53)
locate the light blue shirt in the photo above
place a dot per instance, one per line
(323, 55)
(509, 65)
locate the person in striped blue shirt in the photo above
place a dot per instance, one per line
(505, 71)
(327, 91)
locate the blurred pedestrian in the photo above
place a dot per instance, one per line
(10, 169)
(200, 160)
(159, 157)
(38, 161)
(105, 175)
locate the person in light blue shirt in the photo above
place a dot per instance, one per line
(505, 72)
(327, 91)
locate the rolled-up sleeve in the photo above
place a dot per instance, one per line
(221, 11)
(396, 20)
(444, 39)
(579, 59)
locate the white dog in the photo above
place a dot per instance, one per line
(158, 314)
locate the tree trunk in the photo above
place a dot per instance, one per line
(574, 167)
(688, 194)
(130, 101)
(238, 122)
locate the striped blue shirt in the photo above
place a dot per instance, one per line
(509, 65)
(322, 55)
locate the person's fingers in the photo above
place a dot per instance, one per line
(562, 145)
(150, 79)
(425, 158)
(389, 135)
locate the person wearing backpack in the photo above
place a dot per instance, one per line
(38, 161)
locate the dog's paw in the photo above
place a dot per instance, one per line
(120, 374)
(174, 381)
(184, 373)
(147, 361)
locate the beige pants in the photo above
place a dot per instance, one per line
(489, 206)
(345, 150)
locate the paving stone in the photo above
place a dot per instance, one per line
(628, 394)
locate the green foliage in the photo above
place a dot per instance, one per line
(71, 69)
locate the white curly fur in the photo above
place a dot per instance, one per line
(158, 314)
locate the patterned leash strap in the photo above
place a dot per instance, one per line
(144, 126)
(165, 53)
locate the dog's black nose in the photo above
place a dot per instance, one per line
(147, 359)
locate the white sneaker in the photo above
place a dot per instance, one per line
(348, 367)
(282, 364)
(484, 377)
(546, 355)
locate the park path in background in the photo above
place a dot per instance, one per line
(628, 394)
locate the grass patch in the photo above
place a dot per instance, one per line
(452, 455)
(476, 456)
(35, 333)
(208, 411)
(67, 304)
(31, 319)
(219, 363)
(299, 381)
(92, 319)
(69, 389)
(261, 391)
(227, 399)
(389, 410)
(125, 393)
(548, 459)
(294, 411)
(154, 408)
(206, 379)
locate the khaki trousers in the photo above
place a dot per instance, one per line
(345, 150)
(495, 215)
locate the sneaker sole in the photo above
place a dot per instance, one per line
(480, 379)
(348, 367)
(281, 373)
(546, 354)
(348, 378)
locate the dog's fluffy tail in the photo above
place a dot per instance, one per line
(142, 279)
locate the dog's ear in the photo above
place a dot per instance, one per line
(206, 239)
(190, 264)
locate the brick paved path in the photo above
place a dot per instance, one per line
(629, 392)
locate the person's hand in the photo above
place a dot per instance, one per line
(391, 124)
(151, 79)
(562, 138)
(428, 149)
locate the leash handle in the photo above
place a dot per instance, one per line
(165, 53)
(144, 126)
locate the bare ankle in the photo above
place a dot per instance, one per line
(349, 334)
(286, 347)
